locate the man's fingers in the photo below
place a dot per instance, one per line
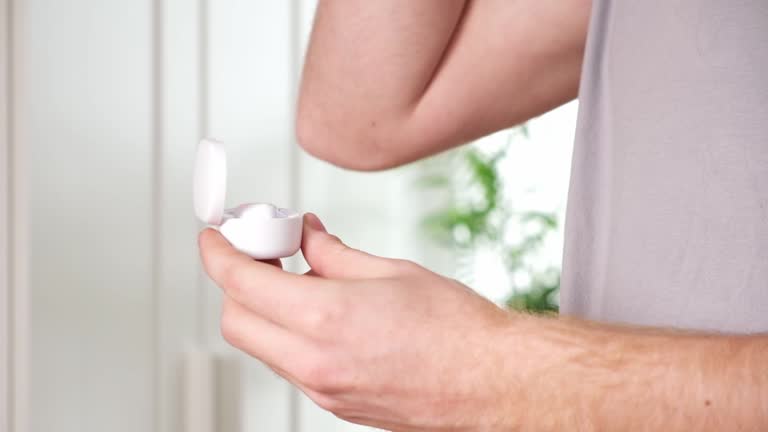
(330, 258)
(301, 360)
(264, 288)
(277, 347)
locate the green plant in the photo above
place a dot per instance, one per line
(478, 216)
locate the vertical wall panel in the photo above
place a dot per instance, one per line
(83, 119)
(5, 177)
(249, 95)
(19, 242)
(178, 264)
(250, 79)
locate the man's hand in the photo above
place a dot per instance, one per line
(376, 341)
(387, 343)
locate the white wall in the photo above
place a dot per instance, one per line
(83, 121)
(101, 294)
(5, 308)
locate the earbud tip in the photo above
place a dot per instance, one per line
(256, 211)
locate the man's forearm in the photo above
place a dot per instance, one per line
(586, 376)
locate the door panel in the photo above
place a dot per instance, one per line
(83, 122)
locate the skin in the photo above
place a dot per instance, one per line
(387, 343)
(423, 76)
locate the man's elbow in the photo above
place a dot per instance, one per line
(347, 146)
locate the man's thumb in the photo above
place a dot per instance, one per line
(329, 257)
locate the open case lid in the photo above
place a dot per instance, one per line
(210, 181)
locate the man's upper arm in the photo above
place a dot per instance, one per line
(388, 82)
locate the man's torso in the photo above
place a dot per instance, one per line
(668, 211)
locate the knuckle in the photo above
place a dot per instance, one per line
(203, 237)
(405, 266)
(234, 280)
(331, 247)
(336, 240)
(323, 319)
(336, 246)
(230, 328)
(327, 403)
(322, 376)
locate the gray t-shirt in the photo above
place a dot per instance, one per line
(667, 221)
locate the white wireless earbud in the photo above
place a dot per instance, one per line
(259, 230)
(256, 211)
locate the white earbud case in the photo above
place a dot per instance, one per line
(259, 230)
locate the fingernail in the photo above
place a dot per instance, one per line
(314, 222)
